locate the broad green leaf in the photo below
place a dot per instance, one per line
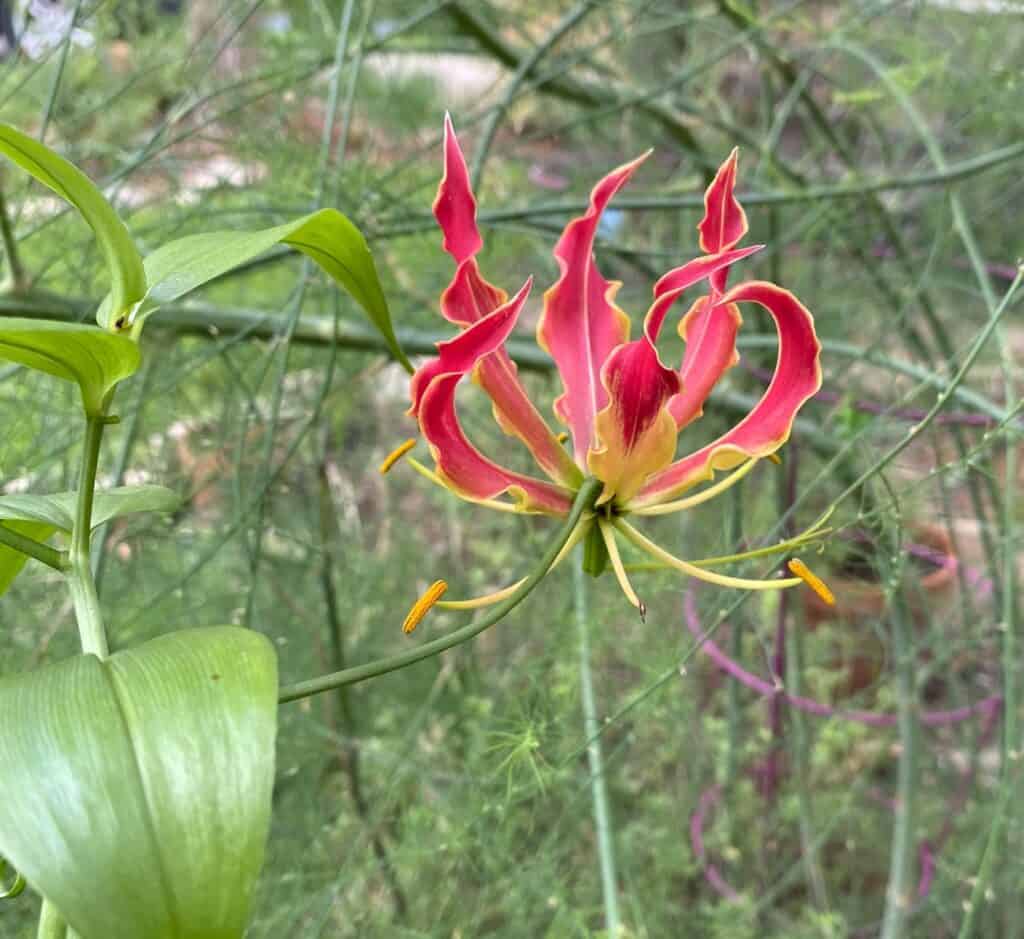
(127, 277)
(327, 237)
(136, 790)
(58, 510)
(11, 561)
(77, 352)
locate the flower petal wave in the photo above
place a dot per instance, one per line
(581, 324)
(709, 331)
(459, 464)
(469, 298)
(724, 222)
(797, 377)
(465, 470)
(678, 279)
(455, 205)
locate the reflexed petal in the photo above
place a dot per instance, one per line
(670, 288)
(461, 354)
(699, 268)
(797, 377)
(581, 324)
(636, 434)
(710, 336)
(467, 471)
(469, 297)
(724, 222)
(478, 349)
(455, 205)
(517, 416)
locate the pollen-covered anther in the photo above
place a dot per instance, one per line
(775, 458)
(423, 605)
(395, 455)
(812, 580)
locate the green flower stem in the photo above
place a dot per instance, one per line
(595, 759)
(585, 499)
(18, 281)
(80, 578)
(899, 894)
(51, 923)
(51, 557)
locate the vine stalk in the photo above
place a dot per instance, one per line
(80, 578)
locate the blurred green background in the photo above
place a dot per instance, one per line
(881, 151)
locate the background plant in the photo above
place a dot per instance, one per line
(881, 146)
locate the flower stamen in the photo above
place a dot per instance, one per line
(807, 537)
(608, 534)
(704, 495)
(486, 600)
(812, 580)
(505, 592)
(438, 481)
(423, 605)
(395, 455)
(722, 580)
(775, 458)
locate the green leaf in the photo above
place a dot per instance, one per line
(58, 510)
(327, 237)
(11, 561)
(137, 790)
(127, 277)
(77, 352)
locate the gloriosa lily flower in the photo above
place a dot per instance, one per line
(622, 405)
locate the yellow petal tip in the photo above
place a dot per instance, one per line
(423, 605)
(395, 455)
(812, 580)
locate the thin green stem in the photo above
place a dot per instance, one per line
(526, 66)
(80, 580)
(585, 499)
(18, 282)
(314, 329)
(129, 436)
(595, 758)
(672, 202)
(943, 397)
(58, 75)
(589, 94)
(898, 894)
(51, 557)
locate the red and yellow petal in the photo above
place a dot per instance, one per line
(767, 427)
(455, 205)
(465, 470)
(518, 417)
(469, 297)
(636, 435)
(580, 324)
(671, 285)
(709, 332)
(724, 222)
(461, 354)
